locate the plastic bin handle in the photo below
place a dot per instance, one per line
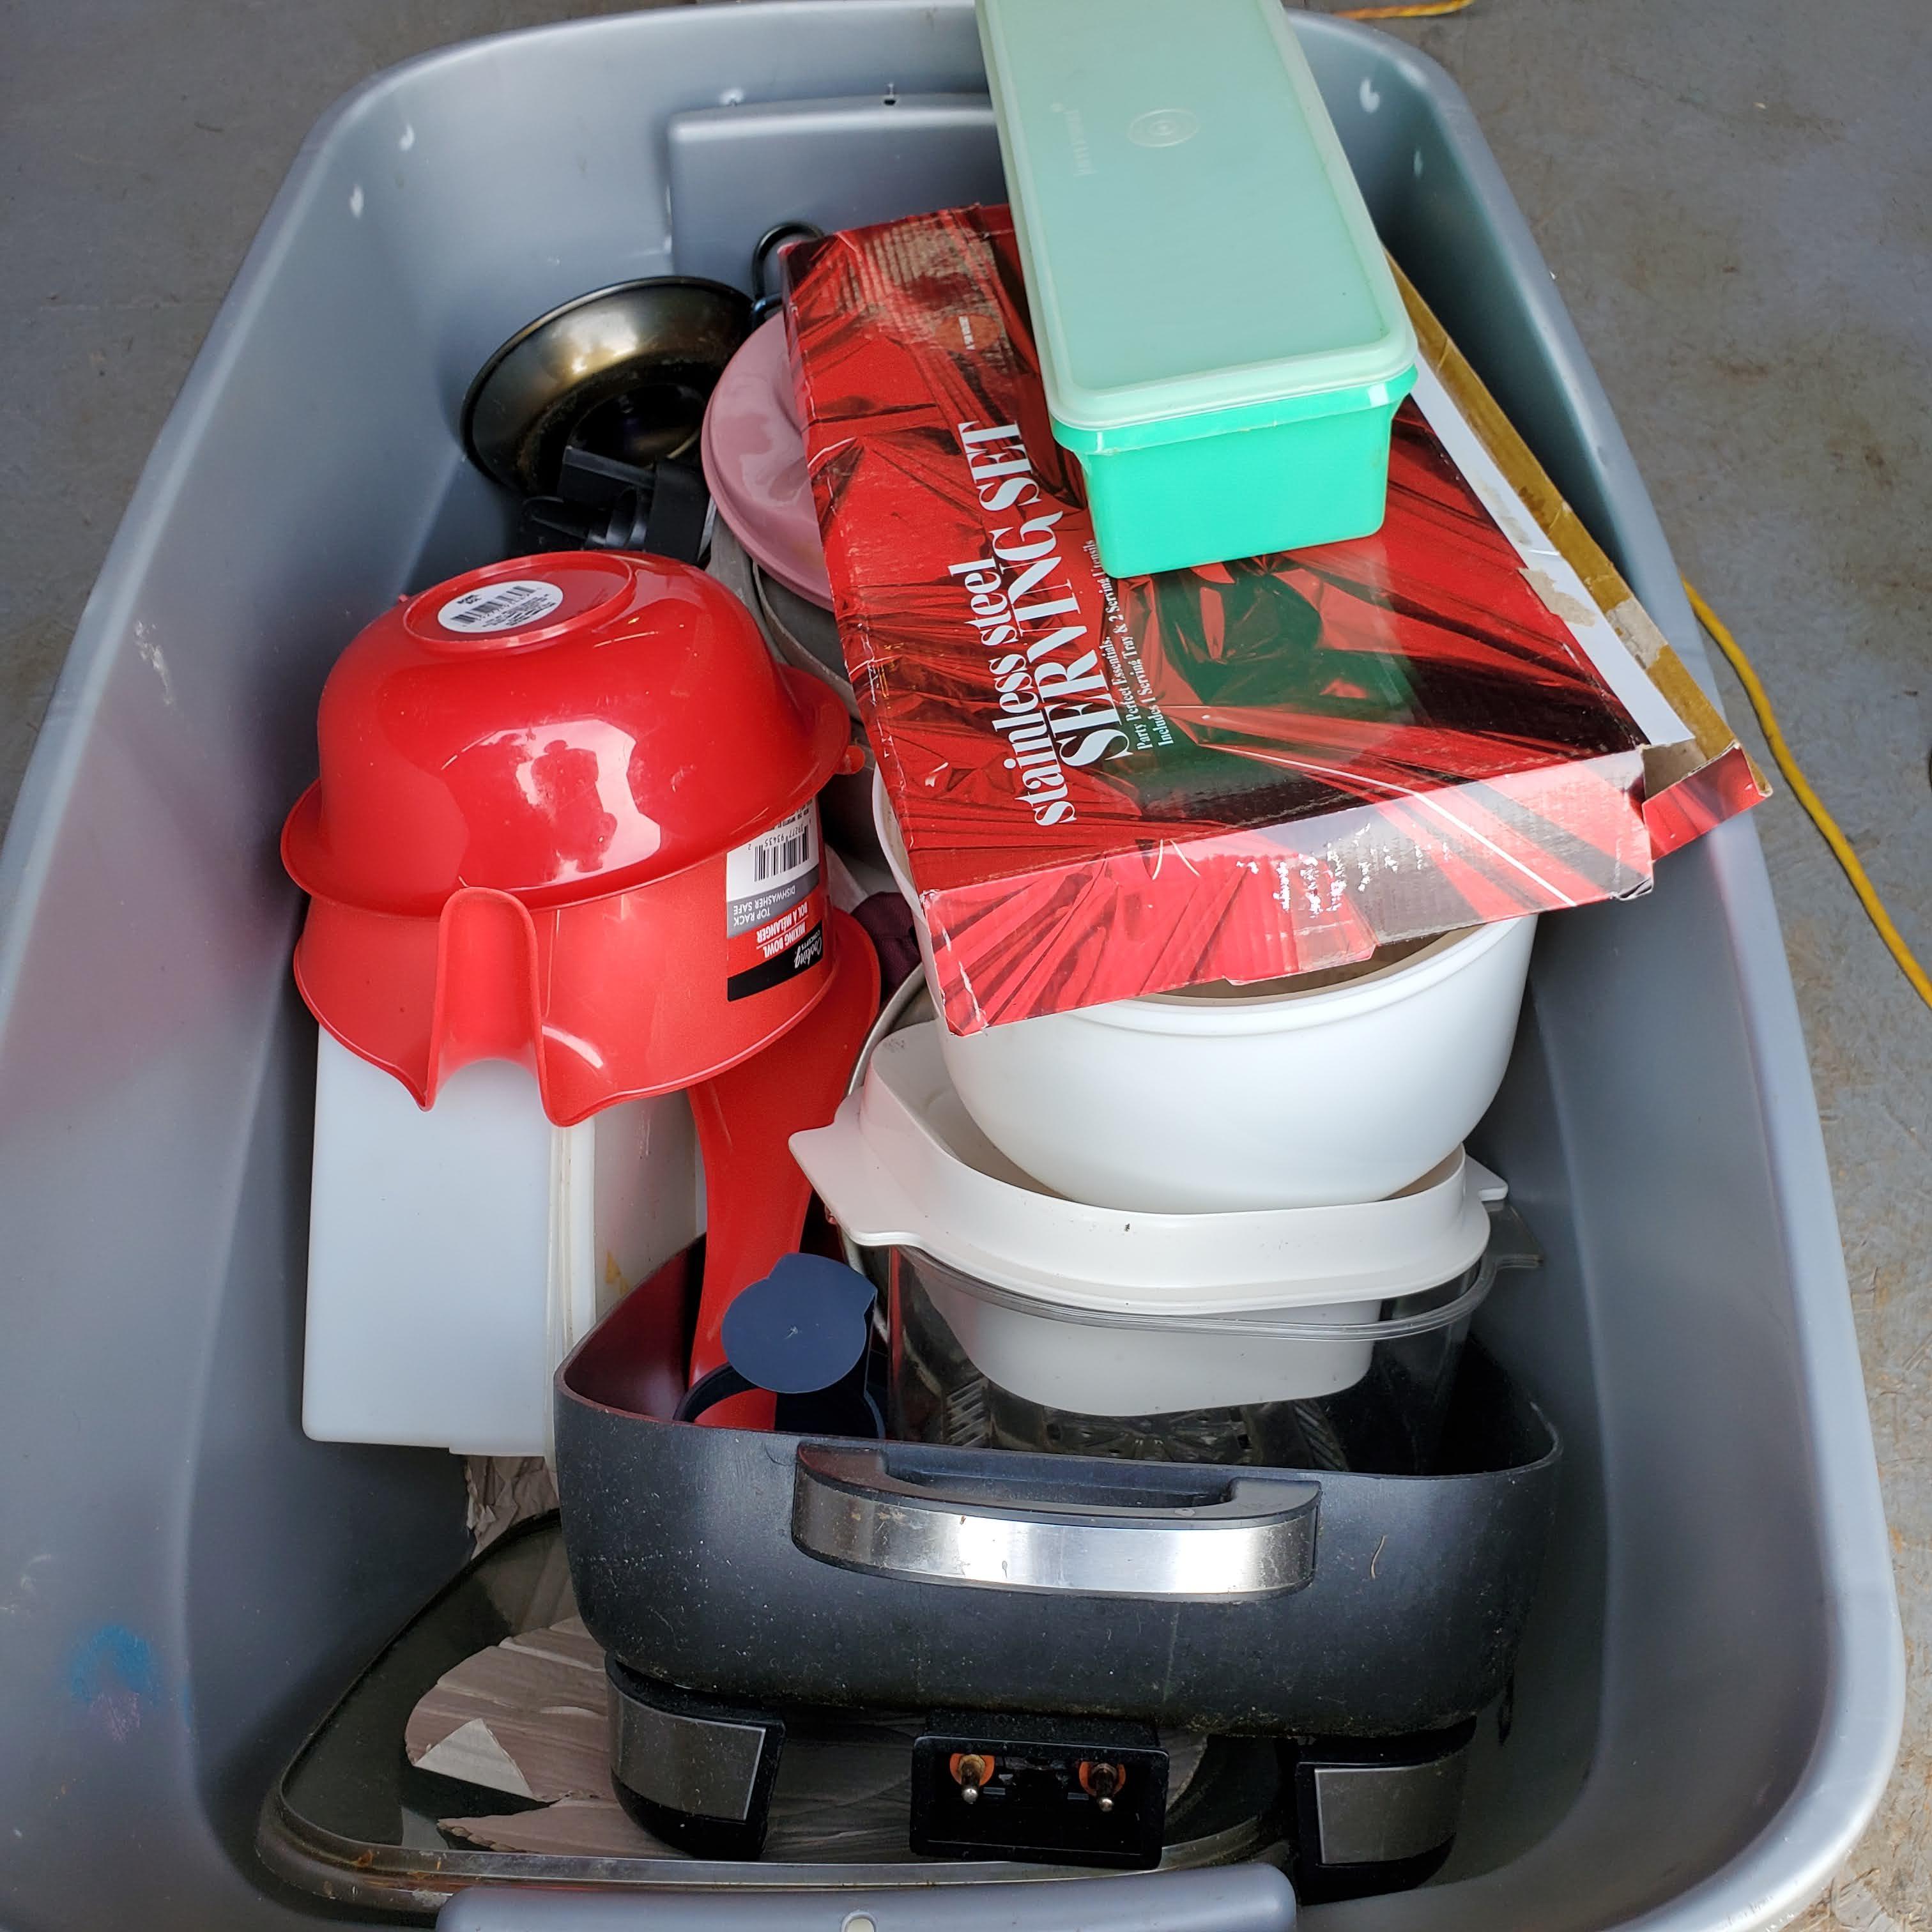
(1256, 1538)
(1235, 1898)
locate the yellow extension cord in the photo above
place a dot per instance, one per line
(1734, 653)
(1800, 790)
(1417, 9)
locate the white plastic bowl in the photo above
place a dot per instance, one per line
(1087, 1308)
(1276, 1095)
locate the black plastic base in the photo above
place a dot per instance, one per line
(1364, 1817)
(685, 1831)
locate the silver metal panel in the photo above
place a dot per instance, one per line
(703, 1766)
(1368, 1814)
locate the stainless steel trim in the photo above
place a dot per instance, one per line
(706, 1766)
(1370, 1813)
(848, 1510)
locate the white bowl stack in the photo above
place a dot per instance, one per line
(1191, 1200)
(1104, 1312)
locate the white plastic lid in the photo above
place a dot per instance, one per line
(902, 1165)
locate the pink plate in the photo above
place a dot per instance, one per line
(754, 452)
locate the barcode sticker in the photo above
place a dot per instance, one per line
(774, 858)
(774, 906)
(500, 607)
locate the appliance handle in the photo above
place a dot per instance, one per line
(1231, 1898)
(1080, 1534)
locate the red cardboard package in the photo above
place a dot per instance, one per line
(1110, 788)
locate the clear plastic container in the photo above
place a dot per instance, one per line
(1388, 1422)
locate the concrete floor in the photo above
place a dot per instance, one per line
(1737, 201)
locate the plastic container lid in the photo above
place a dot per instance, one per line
(1195, 243)
(902, 1164)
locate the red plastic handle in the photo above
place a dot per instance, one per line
(756, 1197)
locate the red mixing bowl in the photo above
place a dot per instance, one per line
(566, 816)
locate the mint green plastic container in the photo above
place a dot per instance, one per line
(1221, 342)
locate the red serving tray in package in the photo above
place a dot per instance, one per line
(1109, 788)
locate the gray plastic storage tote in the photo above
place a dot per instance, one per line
(1708, 1696)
